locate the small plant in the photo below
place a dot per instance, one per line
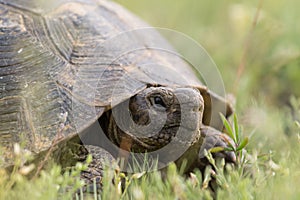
(234, 132)
(216, 175)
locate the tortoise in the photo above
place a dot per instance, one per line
(69, 65)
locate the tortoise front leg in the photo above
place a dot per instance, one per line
(95, 171)
(214, 138)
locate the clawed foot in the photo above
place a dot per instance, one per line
(214, 138)
(93, 175)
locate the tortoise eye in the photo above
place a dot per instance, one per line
(158, 101)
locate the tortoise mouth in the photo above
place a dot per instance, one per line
(173, 133)
(155, 141)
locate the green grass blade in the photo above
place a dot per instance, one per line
(243, 144)
(236, 127)
(216, 149)
(230, 148)
(228, 128)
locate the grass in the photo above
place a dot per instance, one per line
(256, 176)
(267, 105)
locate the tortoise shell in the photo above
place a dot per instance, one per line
(65, 62)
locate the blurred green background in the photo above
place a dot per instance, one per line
(269, 53)
(223, 28)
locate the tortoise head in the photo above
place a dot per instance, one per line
(155, 116)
